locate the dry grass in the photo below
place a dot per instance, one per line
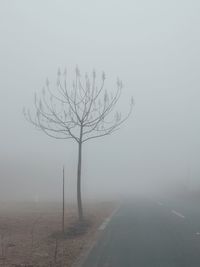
(28, 233)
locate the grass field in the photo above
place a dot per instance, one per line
(27, 233)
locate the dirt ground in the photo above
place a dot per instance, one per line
(26, 233)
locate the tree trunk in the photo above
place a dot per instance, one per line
(79, 200)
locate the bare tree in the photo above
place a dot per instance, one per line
(81, 111)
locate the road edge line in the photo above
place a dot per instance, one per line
(85, 253)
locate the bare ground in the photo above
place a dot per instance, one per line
(28, 239)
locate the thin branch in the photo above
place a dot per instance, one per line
(84, 108)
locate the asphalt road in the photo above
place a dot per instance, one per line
(150, 233)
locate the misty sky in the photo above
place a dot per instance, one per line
(152, 45)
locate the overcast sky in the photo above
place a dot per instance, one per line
(152, 45)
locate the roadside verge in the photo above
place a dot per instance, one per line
(91, 245)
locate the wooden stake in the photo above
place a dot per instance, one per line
(63, 200)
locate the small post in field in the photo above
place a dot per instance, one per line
(63, 203)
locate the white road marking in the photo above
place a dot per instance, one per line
(103, 226)
(108, 219)
(178, 214)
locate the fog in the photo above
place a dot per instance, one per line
(153, 46)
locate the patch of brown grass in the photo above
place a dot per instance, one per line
(29, 233)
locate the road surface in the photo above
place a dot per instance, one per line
(150, 233)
